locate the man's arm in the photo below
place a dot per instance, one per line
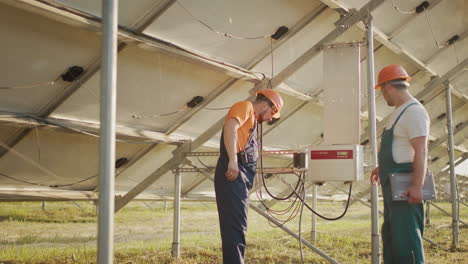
(230, 139)
(414, 192)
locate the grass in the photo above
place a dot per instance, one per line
(64, 233)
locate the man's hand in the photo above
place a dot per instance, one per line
(414, 193)
(375, 176)
(233, 170)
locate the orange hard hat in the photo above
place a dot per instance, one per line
(392, 72)
(275, 98)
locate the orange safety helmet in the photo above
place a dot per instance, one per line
(275, 98)
(392, 72)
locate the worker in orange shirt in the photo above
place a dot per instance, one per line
(237, 166)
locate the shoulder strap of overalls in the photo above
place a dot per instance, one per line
(398, 118)
(254, 129)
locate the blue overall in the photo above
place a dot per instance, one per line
(232, 199)
(403, 225)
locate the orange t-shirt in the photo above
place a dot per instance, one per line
(243, 112)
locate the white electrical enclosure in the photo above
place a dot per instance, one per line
(335, 163)
(342, 95)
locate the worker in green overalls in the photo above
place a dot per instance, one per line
(403, 148)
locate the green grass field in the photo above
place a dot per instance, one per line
(65, 233)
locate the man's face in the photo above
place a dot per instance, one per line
(267, 113)
(386, 94)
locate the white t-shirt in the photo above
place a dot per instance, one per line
(413, 123)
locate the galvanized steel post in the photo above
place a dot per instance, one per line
(453, 176)
(373, 140)
(313, 233)
(176, 225)
(107, 139)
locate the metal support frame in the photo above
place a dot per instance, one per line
(105, 247)
(448, 194)
(178, 156)
(436, 86)
(343, 25)
(445, 212)
(275, 82)
(375, 236)
(176, 224)
(446, 137)
(453, 176)
(262, 55)
(45, 8)
(274, 221)
(428, 213)
(259, 170)
(290, 232)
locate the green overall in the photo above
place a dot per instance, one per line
(403, 225)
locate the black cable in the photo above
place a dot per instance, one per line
(18, 180)
(45, 185)
(294, 205)
(263, 175)
(329, 218)
(70, 184)
(203, 164)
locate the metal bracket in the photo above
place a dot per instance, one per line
(342, 22)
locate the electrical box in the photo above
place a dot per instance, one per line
(335, 163)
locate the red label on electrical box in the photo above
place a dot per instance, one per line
(331, 154)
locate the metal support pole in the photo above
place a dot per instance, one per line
(176, 225)
(453, 176)
(313, 233)
(43, 205)
(428, 213)
(447, 213)
(373, 140)
(107, 139)
(290, 232)
(165, 205)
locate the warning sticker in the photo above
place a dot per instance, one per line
(331, 154)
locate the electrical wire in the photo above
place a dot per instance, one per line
(432, 31)
(46, 185)
(203, 164)
(297, 190)
(325, 217)
(29, 160)
(32, 85)
(293, 209)
(216, 109)
(160, 115)
(401, 11)
(222, 33)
